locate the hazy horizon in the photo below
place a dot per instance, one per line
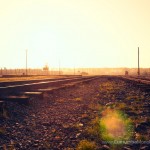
(76, 33)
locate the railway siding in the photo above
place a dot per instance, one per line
(19, 93)
(17, 87)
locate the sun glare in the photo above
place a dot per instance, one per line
(115, 125)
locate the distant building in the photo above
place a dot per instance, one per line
(126, 73)
(46, 68)
(84, 73)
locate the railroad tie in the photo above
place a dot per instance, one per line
(19, 99)
(47, 90)
(33, 94)
(2, 105)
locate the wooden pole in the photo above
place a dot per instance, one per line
(26, 62)
(138, 62)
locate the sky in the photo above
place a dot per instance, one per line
(74, 33)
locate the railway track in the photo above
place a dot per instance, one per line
(133, 79)
(140, 82)
(23, 90)
(74, 106)
(143, 80)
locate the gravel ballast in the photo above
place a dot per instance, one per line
(59, 120)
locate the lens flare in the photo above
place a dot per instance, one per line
(115, 125)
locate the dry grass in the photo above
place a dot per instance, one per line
(28, 78)
(86, 145)
(78, 99)
(121, 106)
(94, 129)
(94, 106)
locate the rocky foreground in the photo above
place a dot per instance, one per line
(68, 119)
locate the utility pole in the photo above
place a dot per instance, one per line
(138, 62)
(26, 62)
(1, 71)
(59, 67)
(74, 70)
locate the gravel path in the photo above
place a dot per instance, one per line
(59, 120)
